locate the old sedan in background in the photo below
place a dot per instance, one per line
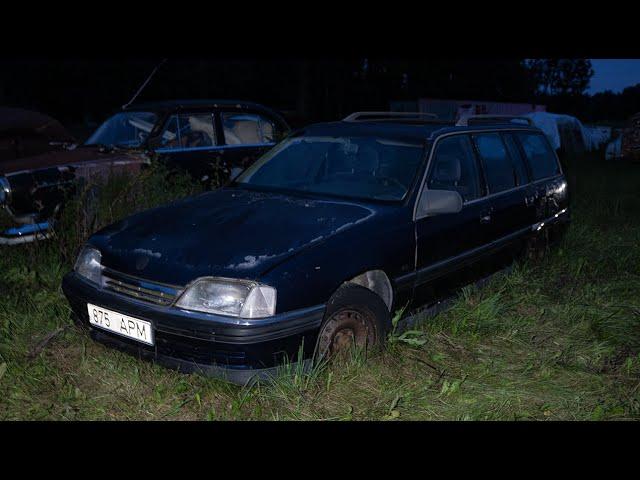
(210, 139)
(24, 133)
(213, 140)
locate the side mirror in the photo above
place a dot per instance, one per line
(437, 202)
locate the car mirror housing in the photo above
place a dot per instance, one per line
(438, 202)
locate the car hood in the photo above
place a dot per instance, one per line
(230, 232)
(77, 156)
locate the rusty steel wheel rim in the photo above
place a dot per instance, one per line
(345, 329)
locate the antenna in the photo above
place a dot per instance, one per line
(144, 84)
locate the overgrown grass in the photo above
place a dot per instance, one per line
(555, 339)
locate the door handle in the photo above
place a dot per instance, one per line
(485, 218)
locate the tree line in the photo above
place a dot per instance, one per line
(82, 90)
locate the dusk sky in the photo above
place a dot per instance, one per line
(613, 74)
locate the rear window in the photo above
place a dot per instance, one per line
(541, 158)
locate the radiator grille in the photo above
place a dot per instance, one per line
(142, 290)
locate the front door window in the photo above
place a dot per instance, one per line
(189, 131)
(454, 168)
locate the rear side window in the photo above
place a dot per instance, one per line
(518, 161)
(454, 168)
(541, 158)
(248, 129)
(495, 160)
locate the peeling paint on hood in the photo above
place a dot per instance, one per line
(229, 233)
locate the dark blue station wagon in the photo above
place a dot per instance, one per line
(316, 245)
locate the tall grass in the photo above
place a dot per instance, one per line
(555, 338)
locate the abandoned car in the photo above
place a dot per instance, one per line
(39, 164)
(315, 246)
(630, 144)
(213, 140)
(24, 133)
(210, 139)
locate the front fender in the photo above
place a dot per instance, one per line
(311, 276)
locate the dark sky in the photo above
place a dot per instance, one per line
(614, 75)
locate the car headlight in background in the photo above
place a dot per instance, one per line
(238, 298)
(5, 191)
(88, 265)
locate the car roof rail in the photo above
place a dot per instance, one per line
(492, 119)
(391, 117)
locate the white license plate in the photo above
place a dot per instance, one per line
(124, 325)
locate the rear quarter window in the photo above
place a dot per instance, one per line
(541, 158)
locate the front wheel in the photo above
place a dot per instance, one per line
(355, 317)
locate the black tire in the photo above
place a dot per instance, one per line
(540, 243)
(354, 316)
(537, 246)
(558, 233)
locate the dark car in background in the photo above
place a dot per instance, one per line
(212, 140)
(630, 143)
(39, 164)
(316, 245)
(24, 133)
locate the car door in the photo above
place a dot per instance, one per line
(507, 182)
(246, 136)
(448, 245)
(547, 194)
(190, 142)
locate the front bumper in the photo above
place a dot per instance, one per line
(231, 348)
(26, 233)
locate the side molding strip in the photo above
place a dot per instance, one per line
(447, 265)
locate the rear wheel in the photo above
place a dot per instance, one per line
(355, 317)
(539, 244)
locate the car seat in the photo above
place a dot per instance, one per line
(247, 130)
(448, 175)
(447, 172)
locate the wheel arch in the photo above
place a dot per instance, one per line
(378, 282)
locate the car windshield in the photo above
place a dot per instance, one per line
(358, 167)
(125, 129)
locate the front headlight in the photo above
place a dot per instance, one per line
(88, 264)
(238, 298)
